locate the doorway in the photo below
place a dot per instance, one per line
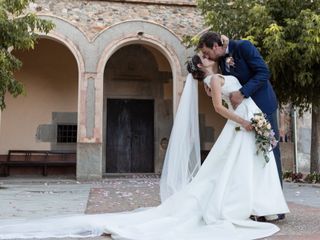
(130, 136)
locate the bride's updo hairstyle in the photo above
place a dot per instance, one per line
(192, 67)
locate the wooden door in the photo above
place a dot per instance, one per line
(130, 136)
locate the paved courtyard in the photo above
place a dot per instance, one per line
(42, 197)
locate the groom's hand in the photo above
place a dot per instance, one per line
(236, 98)
(207, 89)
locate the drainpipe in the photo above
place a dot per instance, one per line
(295, 160)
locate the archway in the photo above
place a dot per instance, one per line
(138, 109)
(49, 108)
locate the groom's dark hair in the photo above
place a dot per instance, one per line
(208, 39)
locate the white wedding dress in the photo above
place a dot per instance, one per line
(232, 184)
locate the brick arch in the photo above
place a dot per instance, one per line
(75, 40)
(146, 33)
(149, 33)
(70, 36)
(54, 36)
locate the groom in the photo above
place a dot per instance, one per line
(243, 60)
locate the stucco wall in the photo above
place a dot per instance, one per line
(50, 76)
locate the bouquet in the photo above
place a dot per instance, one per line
(265, 136)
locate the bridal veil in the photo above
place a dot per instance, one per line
(182, 160)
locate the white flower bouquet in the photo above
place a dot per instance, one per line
(265, 136)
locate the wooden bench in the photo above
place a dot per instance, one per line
(38, 158)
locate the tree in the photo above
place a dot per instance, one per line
(18, 31)
(287, 32)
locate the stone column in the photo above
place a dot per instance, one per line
(89, 147)
(304, 142)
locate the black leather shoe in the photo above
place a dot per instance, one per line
(258, 219)
(275, 218)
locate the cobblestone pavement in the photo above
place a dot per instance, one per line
(46, 197)
(123, 195)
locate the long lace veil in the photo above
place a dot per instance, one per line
(182, 160)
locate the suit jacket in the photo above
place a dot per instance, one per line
(253, 74)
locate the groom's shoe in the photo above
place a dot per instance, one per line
(257, 218)
(275, 218)
(272, 218)
(268, 218)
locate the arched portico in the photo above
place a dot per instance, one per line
(91, 56)
(109, 41)
(50, 74)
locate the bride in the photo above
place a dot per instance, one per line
(232, 184)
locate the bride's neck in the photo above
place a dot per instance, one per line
(209, 72)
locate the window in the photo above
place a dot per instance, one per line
(67, 134)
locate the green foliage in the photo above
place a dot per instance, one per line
(287, 32)
(299, 177)
(293, 57)
(313, 178)
(191, 40)
(18, 30)
(222, 14)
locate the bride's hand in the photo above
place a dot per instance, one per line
(247, 125)
(224, 40)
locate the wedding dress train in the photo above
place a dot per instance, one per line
(232, 184)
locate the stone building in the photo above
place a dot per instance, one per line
(292, 126)
(105, 83)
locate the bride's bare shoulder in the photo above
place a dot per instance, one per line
(220, 78)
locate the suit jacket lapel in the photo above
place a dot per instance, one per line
(231, 46)
(222, 61)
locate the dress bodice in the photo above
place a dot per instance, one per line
(231, 84)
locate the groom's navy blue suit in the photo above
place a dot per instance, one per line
(253, 74)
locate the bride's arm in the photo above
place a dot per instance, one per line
(216, 83)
